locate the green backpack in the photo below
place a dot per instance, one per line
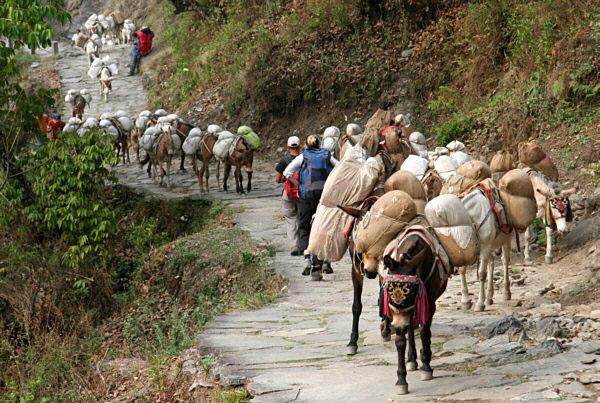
(249, 135)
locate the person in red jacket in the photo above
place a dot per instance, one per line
(55, 126)
(145, 36)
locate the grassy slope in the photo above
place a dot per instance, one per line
(490, 72)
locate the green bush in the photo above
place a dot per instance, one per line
(67, 186)
(450, 130)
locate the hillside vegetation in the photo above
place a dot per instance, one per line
(490, 72)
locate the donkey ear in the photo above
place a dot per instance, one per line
(547, 194)
(354, 212)
(388, 262)
(567, 192)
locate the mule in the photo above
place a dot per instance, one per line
(79, 103)
(162, 153)
(122, 143)
(182, 129)
(416, 278)
(205, 154)
(240, 155)
(134, 141)
(554, 209)
(493, 234)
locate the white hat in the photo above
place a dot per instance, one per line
(293, 141)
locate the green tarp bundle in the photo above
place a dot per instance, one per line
(249, 135)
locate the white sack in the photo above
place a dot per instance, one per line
(460, 157)
(214, 129)
(195, 132)
(106, 116)
(223, 144)
(455, 145)
(331, 131)
(416, 165)
(176, 142)
(417, 138)
(126, 123)
(330, 143)
(114, 69)
(172, 117)
(352, 129)
(145, 113)
(445, 166)
(141, 122)
(160, 112)
(191, 145)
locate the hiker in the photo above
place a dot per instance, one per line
(314, 166)
(145, 36)
(55, 126)
(135, 54)
(290, 196)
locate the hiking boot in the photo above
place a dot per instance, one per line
(295, 252)
(327, 268)
(307, 266)
(316, 274)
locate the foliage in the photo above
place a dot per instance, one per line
(66, 183)
(452, 129)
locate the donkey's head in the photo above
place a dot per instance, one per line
(370, 263)
(558, 208)
(403, 290)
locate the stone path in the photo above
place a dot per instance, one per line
(294, 350)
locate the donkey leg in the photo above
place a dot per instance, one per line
(249, 188)
(526, 258)
(207, 176)
(483, 263)
(548, 258)
(169, 173)
(357, 285)
(219, 188)
(465, 301)
(506, 266)
(426, 371)
(226, 173)
(401, 350)
(182, 164)
(385, 326)
(490, 281)
(411, 365)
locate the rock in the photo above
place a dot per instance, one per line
(588, 360)
(587, 379)
(508, 324)
(279, 150)
(200, 383)
(547, 348)
(584, 231)
(407, 52)
(520, 281)
(591, 348)
(233, 381)
(549, 327)
(545, 310)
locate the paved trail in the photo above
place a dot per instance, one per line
(294, 350)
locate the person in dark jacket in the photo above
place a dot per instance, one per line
(135, 54)
(146, 36)
(314, 166)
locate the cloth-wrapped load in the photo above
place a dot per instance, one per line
(349, 184)
(141, 122)
(379, 120)
(516, 191)
(454, 229)
(191, 144)
(250, 136)
(418, 144)
(455, 145)
(195, 132)
(85, 93)
(532, 155)
(214, 129)
(223, 144)
(475, 169)
(460, 157)
(408, 182)
(119, 114)
(148, 138)
(387, 217)
(160, 112)
(176, 142)
(503, 161)
(415, 165)
(125, 122)
(145, 113)
(70, 97)
(331, 137)
(106, 116)
(352, 129)
(445, 166)
(118, 17)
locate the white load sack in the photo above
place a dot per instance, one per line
(113, 132)
(416, 165)
(104, 122)
(460, 157)
(74, 121)
(455, 145)
(331, 131)
(114, 69)
(148, 138)
(417, 138)
(141, 122)
(95, 68)
(195, 132)
(191, 145)
(90, 123)
(478, 206)
(214, 129)
(129, 25)
(111, 22)
(102, 20)
(145, 113)
(454, 228)
(106, 116)
(172, 118)
(352, 129)
(326, 234)
(70, 97)
(126, 123)
(69, 128)
(445, 166)
(163, 120)
(223, 144)
(330, 143)
(176, 142)
(160, 112)
(86, 95)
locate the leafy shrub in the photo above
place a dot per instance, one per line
(450, 130)
(67, 193)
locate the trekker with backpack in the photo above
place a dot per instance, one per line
(134, 66)
(290, 193)
(313, 166)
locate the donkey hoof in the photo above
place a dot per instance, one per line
(403, 389)
(479, 307)
(489, 301)
(426, 375)
(548, 259)
(507, 296)
(411, 366)
(386, 337)
(527, 262)
(466, 306)
(351, 350)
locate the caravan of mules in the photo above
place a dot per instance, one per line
(409, 216)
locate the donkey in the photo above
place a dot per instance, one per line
(205, 154)
(417, 276)
(241, 154)
(494, 233)
(162, 152)
(182, 129)
(134, 141)
(554, 208)
(79, 103)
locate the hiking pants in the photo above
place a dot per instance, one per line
(134, 66)
(307, 206)
(290, 214)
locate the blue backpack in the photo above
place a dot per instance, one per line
(315, 169)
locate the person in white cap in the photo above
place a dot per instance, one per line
(290, 194)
